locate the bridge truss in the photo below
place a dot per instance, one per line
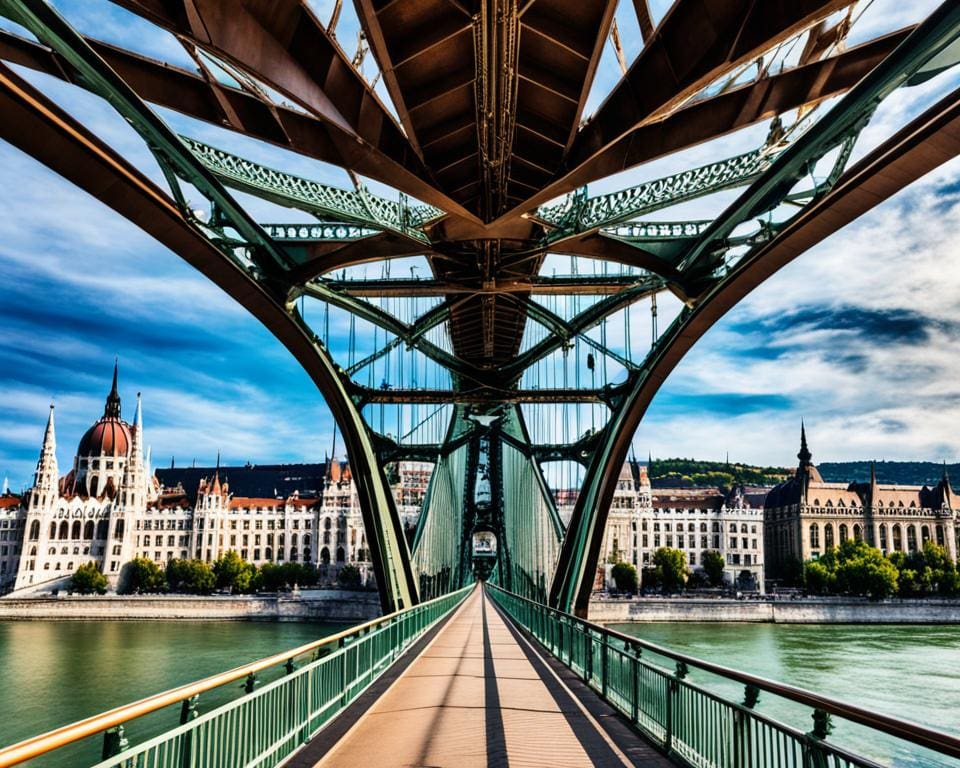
(518, 354)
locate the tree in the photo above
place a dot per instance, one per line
(855, 568)
(193, 576)
(713, 565)
(671, 567)
(142, 575)
(817, 578)
(88, 579)
(625, 577)
(233, 572)
(349, 577)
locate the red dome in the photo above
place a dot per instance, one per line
(108, 437)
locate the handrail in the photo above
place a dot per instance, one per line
(69, 734)
(905, 729)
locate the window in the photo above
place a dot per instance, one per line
(733, 542)
(814, 536)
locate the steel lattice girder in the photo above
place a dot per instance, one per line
(47, 133)
(927, 142)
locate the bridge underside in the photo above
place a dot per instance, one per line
(502, 320)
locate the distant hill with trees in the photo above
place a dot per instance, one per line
(693, 473)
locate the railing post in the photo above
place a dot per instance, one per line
(587, 655)
(635, 698)
(814, 755)
(188, 712)
(342, 644)
(604, 664)
(114, 742)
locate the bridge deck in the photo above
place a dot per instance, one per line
(480, 695)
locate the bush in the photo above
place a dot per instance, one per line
(349, 577)
(625, 577)
(193, 576)
(233, 572)
(671, 566)
(272, 577)
(142, 575)
(855, 568)
(713, 565)
(88, 579)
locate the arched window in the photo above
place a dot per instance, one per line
(76, 530)
(814, 536)
(102, 528)
(703, 527)
(857, 532)
(341, 555)
(912, 538)
(828, 535)
(353, 539)
(743, 528)
(306, 554)
(925, 534)
(733, 527)
(118, 531)
(897, 538)
(64, 530)
(88, 529)
(33, 551)
(325, 556)
(883, 536)
(34, 530)
(940, 535)
(326, 524)
(716, 527)
(843, 532)
(268, 554)
(294, 540)
(691, 527)
(53, 530)
(52, 551)
(326, 537)
(306, 543)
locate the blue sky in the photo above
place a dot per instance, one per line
(858, 336)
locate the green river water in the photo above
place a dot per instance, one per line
(910, 672)
(54, 673)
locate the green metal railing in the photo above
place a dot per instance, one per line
(267, 723)
(696, 726)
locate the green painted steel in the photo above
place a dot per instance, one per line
(694, 725)
(712, 257)
(359, 206)
(328, 231)
(268, 724)
(578, 213)
(251, 248)
(532, 531)
(438, 547)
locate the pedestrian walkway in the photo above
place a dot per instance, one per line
(480, 695)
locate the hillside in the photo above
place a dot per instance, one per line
(692, 472)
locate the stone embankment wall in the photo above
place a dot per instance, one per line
(319, 605)
(779, 612)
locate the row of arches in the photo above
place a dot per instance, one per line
(892, 538)
(76, 531)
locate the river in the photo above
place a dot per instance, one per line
(910, 672)
(54, 673)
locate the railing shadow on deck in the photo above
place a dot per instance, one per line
(696, 726)
(268, 723)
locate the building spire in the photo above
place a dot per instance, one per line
(134, 483)
(112, 408)
(805, 456)
(48, 474)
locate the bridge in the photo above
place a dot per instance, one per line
(471, 155)
(480, 677)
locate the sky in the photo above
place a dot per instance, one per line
(857, 337)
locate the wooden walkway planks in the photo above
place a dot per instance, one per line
(480, 696)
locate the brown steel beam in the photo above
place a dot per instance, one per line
(925, 143)
(37, 126)
(234, 109)
(385, 245)
(708, 118)
(282, 44)
(557, 286)
(597, 245)
(644, 19)
(438, 396)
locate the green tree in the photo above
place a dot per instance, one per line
(349, 577)
(671, 567)
(625, 577)
(88, 579)
(193, 576)
(817, 578)
(233, 572)
(142, 575)
(713, 565)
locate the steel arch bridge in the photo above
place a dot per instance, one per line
(493, 366)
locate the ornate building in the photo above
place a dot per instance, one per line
(694, 520)
(109, 508)
(804, 516)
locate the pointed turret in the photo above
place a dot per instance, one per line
(134, 483)
(216, 489)
(946, 490)
(112, 407)
(48, 474)
(804, 455)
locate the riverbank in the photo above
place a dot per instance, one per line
(805, 611)
(331, 605)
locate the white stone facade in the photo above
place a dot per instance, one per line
(109, 509)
